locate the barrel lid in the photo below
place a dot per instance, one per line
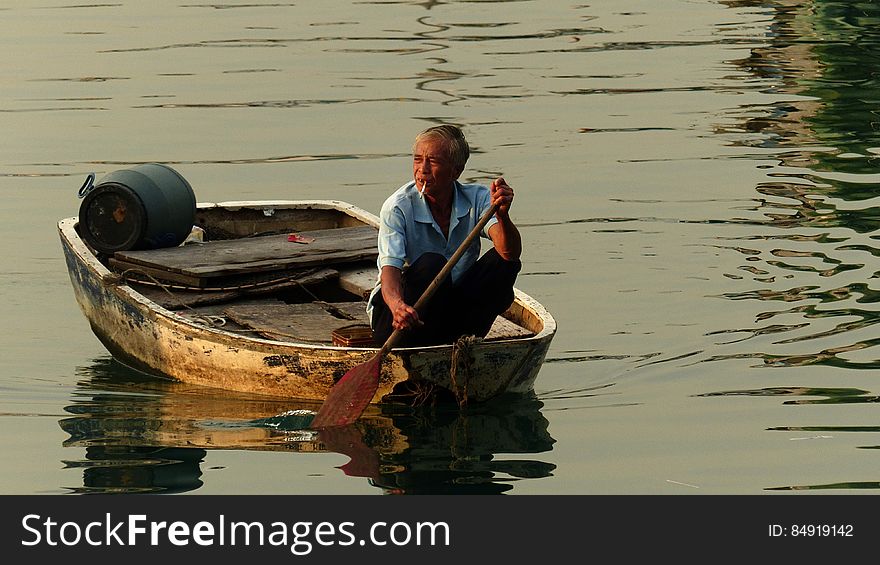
(112, 218)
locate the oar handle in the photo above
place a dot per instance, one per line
(396, 335)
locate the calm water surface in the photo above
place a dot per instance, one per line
(695, 185)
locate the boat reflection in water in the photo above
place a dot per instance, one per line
(141, 434)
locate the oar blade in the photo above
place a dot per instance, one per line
(349, 396)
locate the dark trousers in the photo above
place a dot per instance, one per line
(467, 307)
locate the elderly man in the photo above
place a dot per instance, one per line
(422, 224)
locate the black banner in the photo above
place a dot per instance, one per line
(431, 529)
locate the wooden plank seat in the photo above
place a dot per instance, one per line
(502, 328)
(204, 264)
(358, 278)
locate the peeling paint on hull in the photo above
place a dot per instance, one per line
(152, 339)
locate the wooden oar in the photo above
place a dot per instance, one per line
(353, 392)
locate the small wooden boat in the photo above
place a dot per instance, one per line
(272, 302)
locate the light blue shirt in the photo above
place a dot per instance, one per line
(407, 229)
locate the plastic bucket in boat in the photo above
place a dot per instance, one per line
(146, 207)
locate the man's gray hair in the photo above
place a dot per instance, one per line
(456, 145)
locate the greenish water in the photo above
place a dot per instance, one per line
(695, 186)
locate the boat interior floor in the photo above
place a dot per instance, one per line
(268, 287)
(318, 322)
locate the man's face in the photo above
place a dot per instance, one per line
(432, 167)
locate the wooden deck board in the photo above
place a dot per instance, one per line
(307, 322)
(313, 323)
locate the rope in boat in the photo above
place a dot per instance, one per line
(422, 393)
(418, 393)
(462, 355)
(325, 305)
(205, 319)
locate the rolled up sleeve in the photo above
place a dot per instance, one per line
(392, 237)
(484, 202)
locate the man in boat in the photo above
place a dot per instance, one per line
(422, 224)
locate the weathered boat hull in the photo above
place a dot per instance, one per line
(158, 341)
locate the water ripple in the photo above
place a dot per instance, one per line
(276, 103)
(825, 396)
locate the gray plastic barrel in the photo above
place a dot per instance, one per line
(146, 207)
